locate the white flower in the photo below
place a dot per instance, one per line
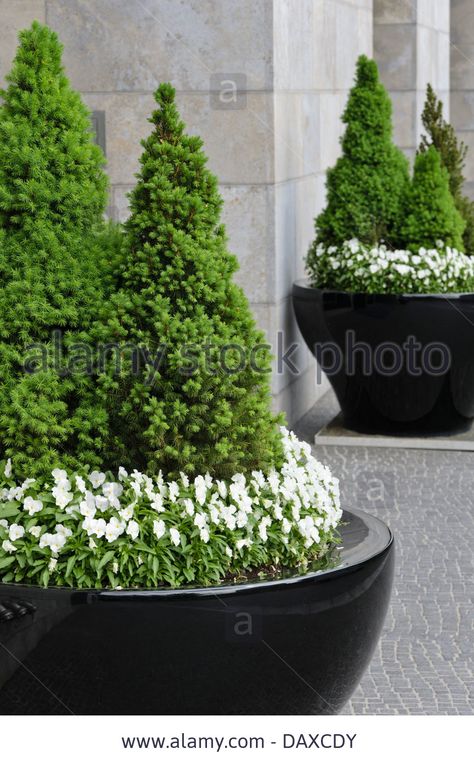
(222, 488)
(189, 506)
(228, 551)
(87, 507)
(157, 503)
(173, 491)
(101, 503)
(286, 525)
(175, 537)
(59, 475)
(112, 491)
(204, 534)
(114, 529)
(159, 528)
(115, 567)
(62, 494)
(122, 474)
(4, 523)
(35, 531)
(16, 532)
(200, 489)
(81, 484)
(136, 486)
(8, 469)
(133, 529)
(243, 543)
(184, 479)
(55, 542)
(52, 564)
(262, 527)
(32, 506)
(60, 529)
(7, 546)
(92, 544)
(97, 479)
(127, 512)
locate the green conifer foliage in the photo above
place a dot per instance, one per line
(442, 136)
(431, 214)
(365, 187)
(177, 293)
(52, 198)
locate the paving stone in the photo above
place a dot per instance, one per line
(424, 663)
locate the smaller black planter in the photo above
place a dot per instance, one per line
(386, 382)
(295, 646)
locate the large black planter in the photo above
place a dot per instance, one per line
(428, 389)
(295, 646)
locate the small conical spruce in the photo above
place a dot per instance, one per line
(204, 404)
(368, 181)
(442, 136)
(430, 213)
(52, 198)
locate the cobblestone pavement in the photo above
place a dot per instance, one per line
(424, 663)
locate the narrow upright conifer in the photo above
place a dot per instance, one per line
(52, 198)
(200, 400)
(368, 181)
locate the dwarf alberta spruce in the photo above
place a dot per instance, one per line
(355, 267)
(135, 531)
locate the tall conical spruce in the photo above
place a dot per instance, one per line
(203, 403)
(367, 183)
(52, 198)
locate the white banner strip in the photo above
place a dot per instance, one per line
(248, 740)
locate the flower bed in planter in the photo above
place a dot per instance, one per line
(205, 574)
(297, 644)
(388, 309)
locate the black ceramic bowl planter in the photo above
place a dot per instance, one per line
(399, 364)
(297, 645)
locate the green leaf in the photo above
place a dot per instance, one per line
(105, 559)
(5, 562)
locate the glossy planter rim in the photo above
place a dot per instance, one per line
(304, 285)
(379, 535)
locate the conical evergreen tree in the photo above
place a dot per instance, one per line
(442, 136)
(52, 198)
(205, 406)
(430, 212)
(365, 187)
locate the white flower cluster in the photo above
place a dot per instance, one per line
(294, 508)
(356, 267)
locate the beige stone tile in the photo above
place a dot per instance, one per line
(462, 24)
(296, 205)
(349, 24)
(297, 135)
(332, 106)
(325, 51)
(395, 53)
(249, 217)
(468, 137)
(398, 12)
(15, 15)
(294, 47)
(404, 113)
(127, 45)
(462, 109)
(239, 143)
(462, 67)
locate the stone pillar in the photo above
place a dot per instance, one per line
(462, 80)
(262, 81)
(411, 47)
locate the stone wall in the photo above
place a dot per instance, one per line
(411, 47)
(270, 141)
(462, 80)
